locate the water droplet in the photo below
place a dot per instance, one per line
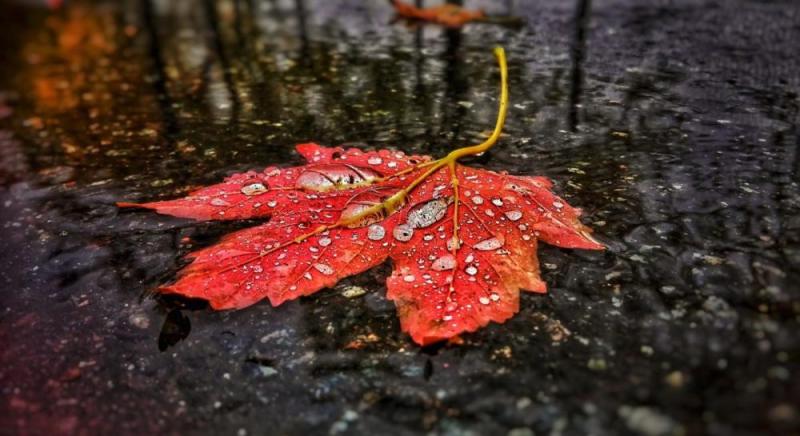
(324, 242)
(471, 270)
(409, 278)
(447, 317)
(428, 213)
(324, 269)
(488, 244)
(489, 212)
(326, 177)
(453, 243)
(254, 189)
(403, 232)
(391, 164)
(307, 275)
(257, 269)
(477, 199)
(374, 160)
(272, 203)
(484, 300)
(360, 215)
(470, 258)
(513, 215)
(558, 204)
(494, 297)
(444, 263)
(497, 202)
(219, 202)
(376, 232)
(428, 237)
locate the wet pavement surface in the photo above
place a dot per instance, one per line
(674, 125)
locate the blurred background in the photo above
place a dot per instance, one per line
(672, 123)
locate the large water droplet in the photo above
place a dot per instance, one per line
(453, 243)
(488, 244)
(484, 300)
(497, 202)
(513, 215)
(333, 176)
(323, 268)
(403, 232)
(428, 213)
(477, 199)
(409, 278)
(471, 270)
(254, 189)
(360, 215)
(444, 263)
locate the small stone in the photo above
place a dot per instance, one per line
(353, 291)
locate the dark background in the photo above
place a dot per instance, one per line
(674, 124)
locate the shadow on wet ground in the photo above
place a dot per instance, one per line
(674, 125)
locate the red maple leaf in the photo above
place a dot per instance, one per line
(446, 14)
(462, 240)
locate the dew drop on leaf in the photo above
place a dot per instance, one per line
(376, 232)
(323, 178)
(219, 202)
(403, 232)
(323, 268)
(357, 215)
(254, 189)
(513, 215)
(488, 244)
(444, 263)
(427, 214)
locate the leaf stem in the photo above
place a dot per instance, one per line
(396, 201)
